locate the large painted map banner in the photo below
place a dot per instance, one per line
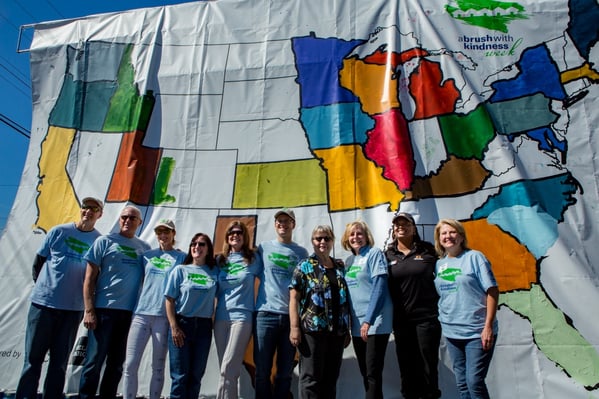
(484, 111)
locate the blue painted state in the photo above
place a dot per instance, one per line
(318, 61)
(547, 139)
(538, 74)
(583, 27)
(552, 196)
(531, 226)
(334, 125)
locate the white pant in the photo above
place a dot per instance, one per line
(231, 339)
(142, 328)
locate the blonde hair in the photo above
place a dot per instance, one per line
(459, 227)
(323, 229)
(349, 227)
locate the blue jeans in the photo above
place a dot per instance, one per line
(271, 334)
(188, 362)
(48, 330)
(108, 341)
(470, 366)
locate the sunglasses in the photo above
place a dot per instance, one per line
(198, 243)
(235, 232)
(325, 239)
(92, 208)
(130, 217)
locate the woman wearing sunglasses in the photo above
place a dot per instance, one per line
(190, 295)
(319, 317)
(238, 267)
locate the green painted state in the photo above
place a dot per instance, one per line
(128, 111)
(557, 339)
(467, 136)
(165, 171)
(521, 114)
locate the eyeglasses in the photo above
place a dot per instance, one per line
(130, 217)
(235, 232)
(198, 243)
(325, 239)
(92, 208)
(283, 222)
(162, 231)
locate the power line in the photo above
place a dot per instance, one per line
(55, 9)
(15, 126)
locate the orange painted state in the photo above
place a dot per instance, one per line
(513, 265)
(135, 171)
(432, 95)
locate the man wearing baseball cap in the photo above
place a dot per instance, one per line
(57, 301)
(272, 326)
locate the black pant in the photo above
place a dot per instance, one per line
(417, 349)
(320, 362)
(371, 360)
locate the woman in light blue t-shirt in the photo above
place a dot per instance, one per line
(370, 304)
(190, 296)
(149, 317)
(468, 296)
(238, 266)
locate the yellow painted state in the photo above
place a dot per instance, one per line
(56, 201)
(373, 84)
(279, 184)
(355, 182)
(584, 71)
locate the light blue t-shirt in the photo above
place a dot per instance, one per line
(60, 282)
(121, 273)
(157, 264)
(279, 261)
(236, 288)
(360, 270)
(193, 288)
(462, 283)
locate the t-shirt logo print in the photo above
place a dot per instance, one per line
(160, 263)
(76, 245)
(282, 261)
(128, 251)
(199, 279)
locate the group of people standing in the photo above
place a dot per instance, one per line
(414, 289)
(128, 294)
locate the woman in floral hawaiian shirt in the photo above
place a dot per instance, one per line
(319, 315)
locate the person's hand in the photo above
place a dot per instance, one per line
(178, 336)
(295, 336)
(487, 338)
(364, 331)
(89, 320)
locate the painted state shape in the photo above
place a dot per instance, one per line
(514, 267)
(259, 185)
(389, 147)
(54, 183)
(355, 182)
(333, 125)
(318, 61)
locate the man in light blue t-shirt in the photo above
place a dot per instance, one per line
(272, 326)
(112, 281)
(57, 301)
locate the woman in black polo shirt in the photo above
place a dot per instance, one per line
(415, 325)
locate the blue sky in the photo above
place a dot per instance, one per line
(15, 87)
